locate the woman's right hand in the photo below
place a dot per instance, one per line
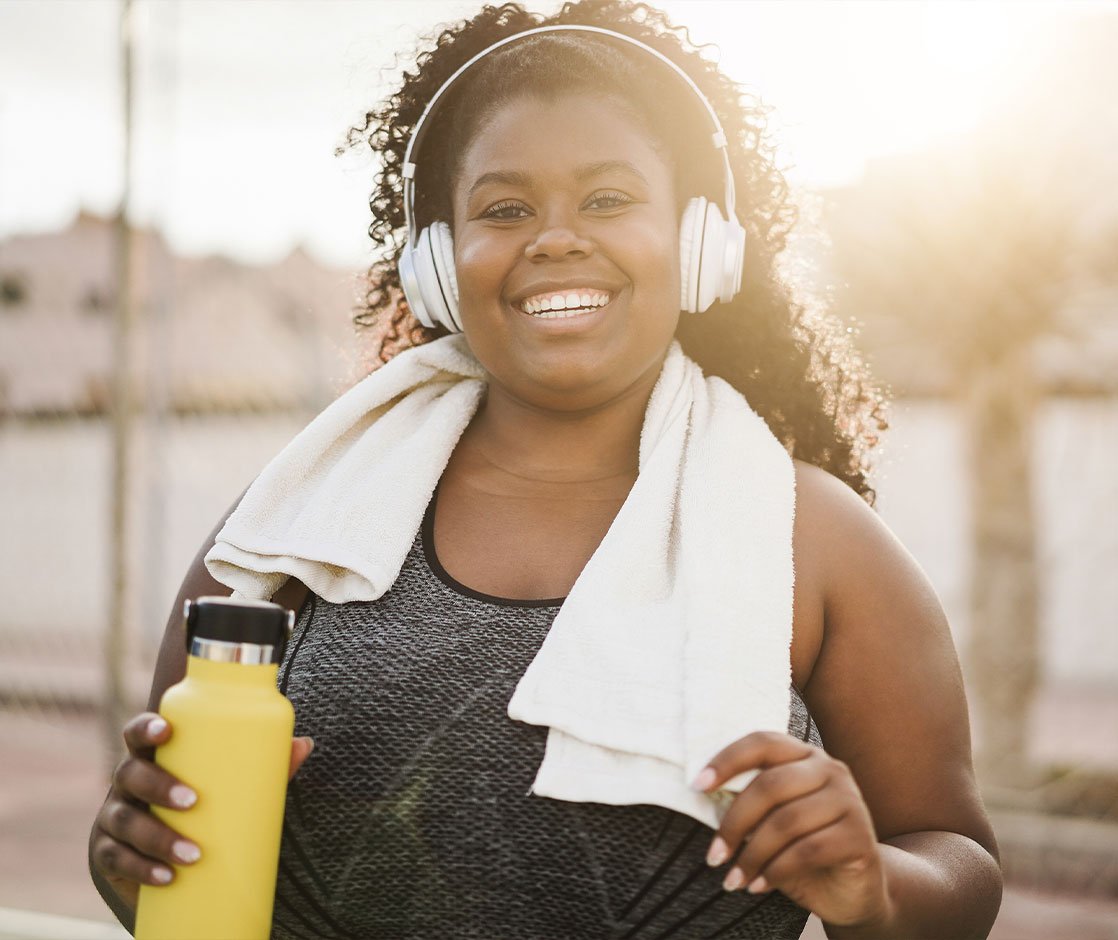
(130, 845)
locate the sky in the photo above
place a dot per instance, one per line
(240, 104)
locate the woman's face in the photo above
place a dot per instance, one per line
(569, 198)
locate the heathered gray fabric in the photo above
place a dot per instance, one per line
(412, 817)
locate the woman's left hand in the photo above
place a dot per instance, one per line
(806, 829)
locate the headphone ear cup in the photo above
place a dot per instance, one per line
(718, 259)
(733, 261)
(442, 254)
(427, 279)
(410, 285)
(711, 254)
(690, 247)
(431, 288)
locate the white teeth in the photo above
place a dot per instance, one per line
(575, 301)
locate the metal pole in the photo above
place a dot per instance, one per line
(123, 409)
(159, 37)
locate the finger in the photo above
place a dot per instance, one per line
(117, 860)
(138, 829)
(837, 844)
(784, 826)
(300, 750)
(144, 732)
(753, 752)
(142, 781)
(769, 789)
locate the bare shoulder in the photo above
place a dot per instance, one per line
(832, 514)
(852, 554)
(885, 686)
(833, 527)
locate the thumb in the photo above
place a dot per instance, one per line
(300, 750)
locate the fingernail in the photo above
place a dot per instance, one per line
(310, 746)
(183, 796)
(186, 851)
(733, 880)
(156, 727)
(705, 779)
(161, 875)
(718, 852)
(758, 886)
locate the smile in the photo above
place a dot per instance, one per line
(563, 304)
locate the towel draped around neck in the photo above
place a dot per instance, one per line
(674, 640)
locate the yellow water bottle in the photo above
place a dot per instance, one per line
(230, 742)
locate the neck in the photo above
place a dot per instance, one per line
(520, 446)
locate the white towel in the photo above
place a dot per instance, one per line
(675, 639)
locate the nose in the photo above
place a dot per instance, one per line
(557, 237)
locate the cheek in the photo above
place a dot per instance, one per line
(480, 263)
(656, 262)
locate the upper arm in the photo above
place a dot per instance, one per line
(886, 689)
(170, 664)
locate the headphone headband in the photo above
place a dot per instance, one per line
(711, 247)
(718, 136)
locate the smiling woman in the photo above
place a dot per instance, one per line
(597, 626)
(796, 368)
(613, 231)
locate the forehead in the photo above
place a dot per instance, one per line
(559, 137)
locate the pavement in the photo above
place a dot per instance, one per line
(32, 925)
(55, 777)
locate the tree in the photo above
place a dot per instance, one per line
(958, 271)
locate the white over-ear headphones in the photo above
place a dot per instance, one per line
(711, 245)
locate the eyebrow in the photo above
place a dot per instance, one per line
(586, 171)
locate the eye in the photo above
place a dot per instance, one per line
(609, 200)
(501, 211)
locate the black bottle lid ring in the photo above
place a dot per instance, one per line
(238, 620)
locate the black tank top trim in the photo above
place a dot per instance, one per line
(428, 530)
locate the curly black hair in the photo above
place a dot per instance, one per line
(794, 364)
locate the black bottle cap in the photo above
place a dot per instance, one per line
(238, 620)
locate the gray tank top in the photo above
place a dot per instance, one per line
(412, 817)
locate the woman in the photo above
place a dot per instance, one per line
(561, 163)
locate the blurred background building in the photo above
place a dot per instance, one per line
(970, 246)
